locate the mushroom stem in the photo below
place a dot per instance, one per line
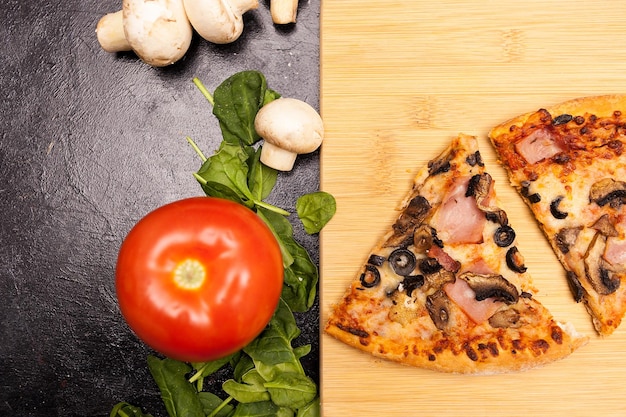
(242, 6)
(277, 158)
(284, 11)
(218, 21)
(110, 33)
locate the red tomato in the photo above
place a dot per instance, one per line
(198, 279)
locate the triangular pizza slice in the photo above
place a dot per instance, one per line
(446, 288)
(569, 164)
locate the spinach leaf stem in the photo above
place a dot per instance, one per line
(204, 90)
(219, 407)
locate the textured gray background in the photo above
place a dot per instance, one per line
(91, 142)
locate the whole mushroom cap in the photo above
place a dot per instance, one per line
(289, 126)
(158, 31)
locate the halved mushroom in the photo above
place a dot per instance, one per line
(491, 286)
(479, 187)
(575, 286)
(597, 270)
(608, 191)
(439, 309)
(566, 238)
(507, 318)
(423, 238)
(436, 280)
(441, 164)
(410, 218)
(605, 226)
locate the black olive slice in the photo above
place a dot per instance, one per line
(534, 198)
(562, 119)
(371, 277)
(402, 261)
(525, 188)
(514, 260)
(376, 260)
(412, 282)
(504, 236)
(430, 266)
(554, 208)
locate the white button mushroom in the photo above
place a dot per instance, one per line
(110, 33)
(158, 31)
(289, 127)
(218, 21)
(284, 11)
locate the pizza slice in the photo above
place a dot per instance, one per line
(569, 164)
(446, 287)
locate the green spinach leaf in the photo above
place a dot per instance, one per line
(291, 390)
(242, 366)
(214, 405)
(261, 178)
(301, 274)
(315, 210)
(250, 390)
(258, 409)
(179, 396)
(237, 101)
(312, 409)
(272, 351)
(124, 409)
(225, 174)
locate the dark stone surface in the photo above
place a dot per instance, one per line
(91, 142)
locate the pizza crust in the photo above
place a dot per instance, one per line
(602, 106)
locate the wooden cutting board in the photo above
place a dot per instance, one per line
(399, 79)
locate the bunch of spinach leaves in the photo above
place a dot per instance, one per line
(268, 377)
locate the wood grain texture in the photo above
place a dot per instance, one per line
(399, 79)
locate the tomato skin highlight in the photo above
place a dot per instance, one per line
(199, 278)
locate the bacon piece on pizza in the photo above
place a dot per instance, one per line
(446, 287)
(568, 163)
